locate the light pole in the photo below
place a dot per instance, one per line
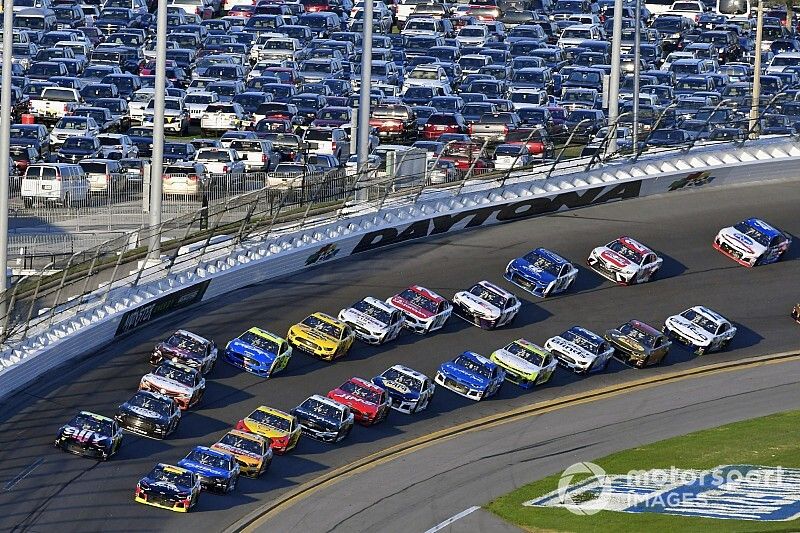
(364, 100)
(613, 91)
(757, 70)
(637, 41)
(5, 143)
(157, 159)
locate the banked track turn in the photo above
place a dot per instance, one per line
(41, 488)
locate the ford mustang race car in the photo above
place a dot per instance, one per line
(259, 352)
(580, 350)
(368, 402)
(486, 305)
(324, 419)
(409, 391)
(322, 335)
(251, 451)
(637, 344)
(625, 261)
(218, 471)
(169, 487)
(149, 413)
(90, 435)
(183, 383)
(373, 321)
(752, 242)
(541, 272)
(471, 375)
(282, 429)
(424, 310)
(701, 329)
(187, 348)
(525, 363)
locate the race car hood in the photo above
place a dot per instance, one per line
(264, 430)
(627, 342)
(397, 389)
(164, 488)
(165, 385)
(614, 261)
(203, 469)
(238, 453)
(167, 351)
(517, 363)
(253, 352)
(354, 402)
(473, 381)
(363, 320)
(411, 308)
(689, 329)
(85, 437)
(313, 420)
(571, 349)
(475, 303)
(141, 412)
(315, 334)
(531, 273)
(741, 242)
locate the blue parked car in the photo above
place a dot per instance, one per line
(259, 352)
(541, 272)
(218, 471)
(471, 375)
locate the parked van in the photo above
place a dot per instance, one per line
(61, 183)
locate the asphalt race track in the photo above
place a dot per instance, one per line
(42, 488)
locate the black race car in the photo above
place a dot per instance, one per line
(149, 413)
(90, 435)
(324, 419)
(187, 348)
(169, 487)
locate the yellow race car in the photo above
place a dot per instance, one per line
(251, 451)
(322, 335)
(282, 429)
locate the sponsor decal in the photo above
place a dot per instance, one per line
(695, 179)
(84, 436)
(323, 254)
(614, 258)
(162, 306)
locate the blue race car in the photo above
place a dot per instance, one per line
(259, 352)
(409, 391)
(217, 471)
(471, 375)
(541, 272)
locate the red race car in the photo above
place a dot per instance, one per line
(370, 403)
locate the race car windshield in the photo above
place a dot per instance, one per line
(643, 338)
(175, 374)
(373, 311)
(184, 343)
(695, 317)
(753, 233)
(487, 295)
(523, 353)
(151, 404)
(584, 342)
(92, 424)
(542, 263)
(419, 300)
(182, 479)
(263, 343)
(411, 382)
(207, 459)
(472, 366)
(323, 410)
(362, 393)
(247, 445)
(325, 327)
(271, 420)
(625, 252)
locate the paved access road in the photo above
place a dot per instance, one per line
(41, 488)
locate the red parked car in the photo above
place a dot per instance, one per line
(467, 155)
(440, 123)
(370, 403)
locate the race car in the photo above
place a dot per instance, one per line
(525, 363)
(258, 352)
(541, 272)
(752, 242)
(322, 335)
(324, 419)
(471, 375)
(638, 344)
(90, 435)
(282, 429)
(251, 451)
(580, 350)
(217, 471)
(409, 391)
(625, 261)
(486, 305)
(187, 348)
(424, 310)
(373, 321)
(701, 329)
(368, 402)
(176, 380)
(150, 414)
(796, 313)
(169, 487)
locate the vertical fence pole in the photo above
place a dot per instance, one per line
(10, 309)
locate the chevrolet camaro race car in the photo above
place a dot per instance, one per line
(625, 261)
(471, 375)
(258, 352)
(424, 310)
(90, 435)
(638, 344)
(322, 335)
(752, 242)
(176, 380)
(701, 329)
(368, 402)
(217, 471)
(187, 348)
(282, 429)
(251, 451)
(169, 487)
(486, 305)
(373, 321)
(324, 419)
(525, 363)
(541, 272)
(149, 413)
(580, 350)
(409, 391)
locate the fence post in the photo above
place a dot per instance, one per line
(313, 199)
(12, 302)
(61, 288)
(472, 167)
(33, 301)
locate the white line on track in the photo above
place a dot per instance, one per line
(22, 475)
(452, 519)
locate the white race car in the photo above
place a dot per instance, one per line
(752, 242)
(176, 380)
(424, 310)
(701, 329)
(373, 321)
(486, 305)
(580, 350)
(625, 261)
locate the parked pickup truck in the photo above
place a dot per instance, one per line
(277, 48)
(54, 103)
(494, 127)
